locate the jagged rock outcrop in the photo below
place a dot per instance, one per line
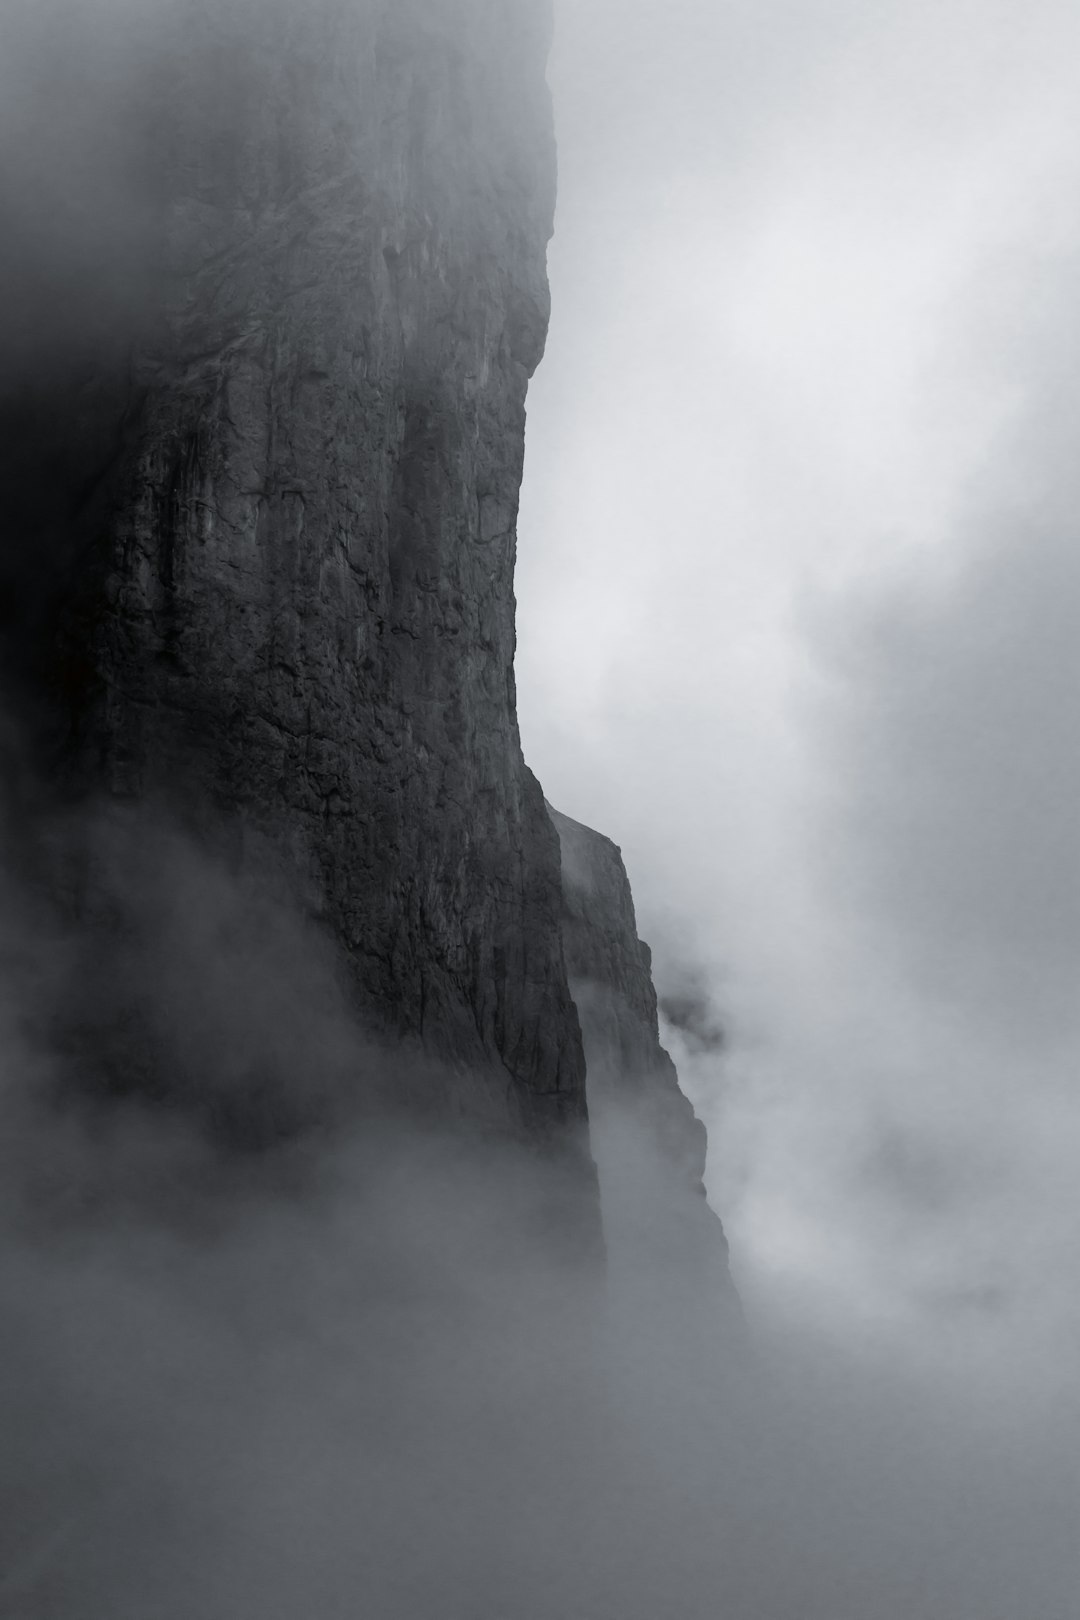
(639, 1114)
(264, 527)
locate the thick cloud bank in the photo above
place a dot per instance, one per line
(799, 592)
(356, 1374)
(799, 603)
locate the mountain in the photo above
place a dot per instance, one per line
(264, 421)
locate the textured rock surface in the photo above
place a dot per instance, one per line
(266, 528)
(634, 1093)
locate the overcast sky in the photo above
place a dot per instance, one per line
(799, 608)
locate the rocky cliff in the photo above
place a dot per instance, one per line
(263, 429)
(276, 503)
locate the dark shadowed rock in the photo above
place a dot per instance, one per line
(261, 518)
(265, 356)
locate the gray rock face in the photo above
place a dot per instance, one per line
(263, 431)
(265, 527)
(642, 1123)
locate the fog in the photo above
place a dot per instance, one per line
(796, 589)
(799, 600)
(353, 1373)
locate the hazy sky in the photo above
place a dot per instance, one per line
(799, 593)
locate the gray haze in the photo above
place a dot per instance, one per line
(353, 1376)
(795, 592)
(800, 591)
(799, 608)
(800, 603)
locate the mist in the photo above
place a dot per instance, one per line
(798, 601)
(358, 1370)
(797, 573)
(796, 595)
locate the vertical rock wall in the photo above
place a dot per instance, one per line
(261, 512)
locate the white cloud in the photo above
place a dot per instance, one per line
(799, 592)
